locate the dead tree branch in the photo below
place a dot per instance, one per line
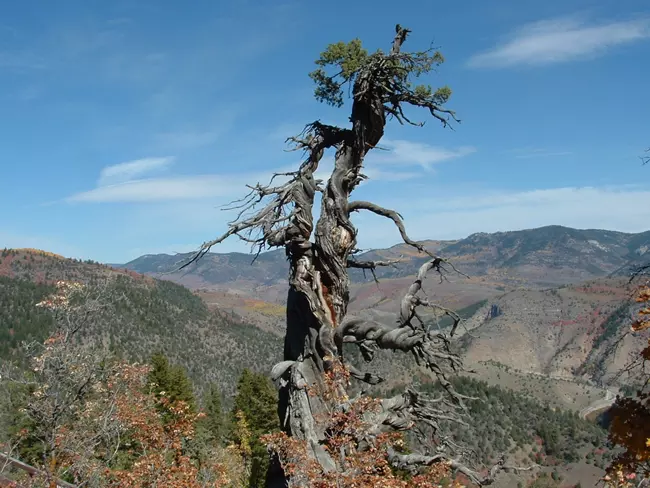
(412, 462)
(392, 215)
(372, 265)
(286, 216)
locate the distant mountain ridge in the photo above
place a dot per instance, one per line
(214, 267)
(573, 255)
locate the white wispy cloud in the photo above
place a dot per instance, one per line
(560, 40)
(450, 216)
(450, 213)
(374, 171)
(397, 160)
(125, 183)
(163, 189)
(123, 172)
(416, 153)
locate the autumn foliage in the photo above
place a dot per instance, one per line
(630, 426)
(643, 320)
(97, 422)
(156, 447)
(362, 456)
(151, 450)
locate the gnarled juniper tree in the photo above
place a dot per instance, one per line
(380, 87)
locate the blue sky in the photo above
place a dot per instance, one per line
(126, 124)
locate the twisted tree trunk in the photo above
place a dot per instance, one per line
(318, 297)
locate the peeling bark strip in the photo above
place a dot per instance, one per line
(319, 257)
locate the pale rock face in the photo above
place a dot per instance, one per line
(598, 245)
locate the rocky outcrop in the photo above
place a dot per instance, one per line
(494, 311)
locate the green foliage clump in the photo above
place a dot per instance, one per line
(389, 74)
(348, 59)
(214, 422)
(20, 319)
(15, 426)
(170, 381)
(257, 399)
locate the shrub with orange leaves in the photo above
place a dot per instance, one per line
(96, 422)
(362, 456)
(119, 438)
(643, 321)
(630, 426)
(156, 445)
(360, 466)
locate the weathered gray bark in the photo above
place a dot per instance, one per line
(317, 302)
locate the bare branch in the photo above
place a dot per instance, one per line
(390, 214)
(444, 115)
(411, 300)
(357, 205)
(412, 462)
(10, 461)
(432, 350)
(371, 264)
(401, 34)
(276, 224)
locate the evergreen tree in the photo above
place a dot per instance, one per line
(213, 423)
(209, 430)
(172, 380)
(15, 425)
(256, 399)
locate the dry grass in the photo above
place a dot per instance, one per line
(40, 252)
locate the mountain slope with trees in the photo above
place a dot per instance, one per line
(145, 316)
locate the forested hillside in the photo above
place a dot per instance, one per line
(501, 420)
(20, 319)
(142, 315)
